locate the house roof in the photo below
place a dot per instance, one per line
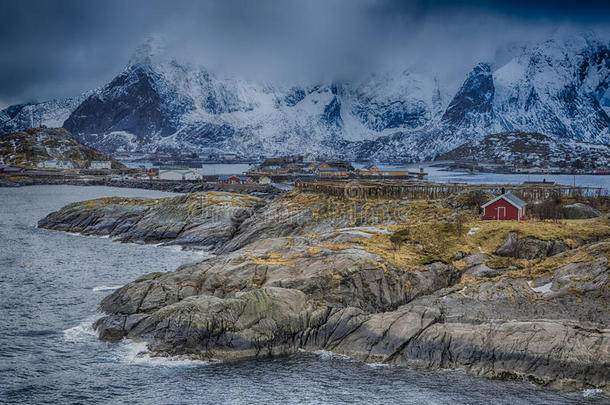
(225, 178)
(510, 198)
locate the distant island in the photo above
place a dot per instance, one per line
(51, 148)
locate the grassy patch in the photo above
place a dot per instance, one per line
(272, 259)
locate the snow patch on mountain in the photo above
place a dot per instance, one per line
(559, 88)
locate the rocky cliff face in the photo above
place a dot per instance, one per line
(200, 220)
(558, 88)
(131, 103)
(304, 272)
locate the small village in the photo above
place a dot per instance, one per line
(271, 170)
(338, 178)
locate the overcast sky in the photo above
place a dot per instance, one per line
(61, 48)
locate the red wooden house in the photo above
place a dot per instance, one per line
(505, 207)
(10, 170)
(235, 180)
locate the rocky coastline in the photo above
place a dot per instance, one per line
(174, 186)
(395, 282)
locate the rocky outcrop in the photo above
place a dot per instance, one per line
(579, 211)
(251, 303)
(530, 248)
(309, 278)
(33, 146)
(328, 273)
(199, 220)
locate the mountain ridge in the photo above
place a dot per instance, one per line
(559, 88)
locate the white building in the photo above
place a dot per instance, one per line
(55, 164)
(309, 158)
(264, 180)
(180, 173)
(100, 165)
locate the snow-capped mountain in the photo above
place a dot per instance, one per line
(556, 88)
(158, 104)
(559, 88)
(51, 113)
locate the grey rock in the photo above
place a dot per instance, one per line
(510, 245)
(284, 285)
(476, 259)
(597, 245)
(481, 270)
(200, 220)
(530, 248)
(579, 211)
(111, 328)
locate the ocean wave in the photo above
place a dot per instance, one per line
(377, 365)
(106, 287)
(88, 236)
(326, 355)
(591, 393)
(81, 333)
(137, 353)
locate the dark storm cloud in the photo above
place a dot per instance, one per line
(61, 48)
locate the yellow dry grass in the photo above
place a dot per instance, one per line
(272, 259)
(106, 201)
(432, 235)
(193, 203)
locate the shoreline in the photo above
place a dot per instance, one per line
(277, 285)
(173, 186)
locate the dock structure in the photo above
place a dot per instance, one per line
(333, 176)
(418, 190)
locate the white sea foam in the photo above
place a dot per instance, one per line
(81, 333)
(377, 365)
(137, 353)
(106, 287)
(326, 355)
(591, 393)
(88, 236)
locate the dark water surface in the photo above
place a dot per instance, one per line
(51, 283)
